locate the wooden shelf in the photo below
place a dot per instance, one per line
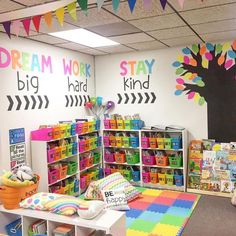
(122, 130)
(163, 149)
(125, 164)
(89, 150)
(58, 181)
(87, 168)
(219, 194)
(164, 167)
(121, 147)
(165, 186)
(62, 159)
(90, 132)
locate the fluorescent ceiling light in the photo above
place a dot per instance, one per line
(84, 37)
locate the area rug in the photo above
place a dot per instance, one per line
(159, 213)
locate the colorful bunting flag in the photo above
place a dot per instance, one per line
(181, 3)
(36, 21)
(26, 24)
(48, 19)
(60, 15)
(71, 8)
(163, 3)
(83, 5)
(147, 4)
(115, 5)
(131, 5)
(15, 27)
(7, 27)
(100, 3)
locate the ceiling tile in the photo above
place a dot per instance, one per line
(195, 4)
(94, 18)
(172, 33)
(7, 5)
(132, 38)
(158, 22)
(182, 41)
(55, 26)
(216, 26)
(33, 2)
(116, 49)
(139, 10)
(114, 29)
(92, 51)
(216, 37)
(72, 46)
(147, 45)
(210, 14)
(47, 39)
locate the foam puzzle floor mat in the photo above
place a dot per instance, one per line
(159, 213)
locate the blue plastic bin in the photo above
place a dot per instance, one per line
(73, 129)
(137, 124)
(134, 142)
(178, 180)
(136, 175)
(74, 148)
(98, 125)
(176, 143)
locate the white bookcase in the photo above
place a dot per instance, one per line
(182, 134)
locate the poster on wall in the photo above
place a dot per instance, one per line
(17, 155)
(16, 136)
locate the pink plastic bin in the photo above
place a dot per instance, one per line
(145, 142)
(82, 164)
(107, 124)
(51, 155)
(107, 171)
(79, 128)
(53, 175)
(82, 146)
(149, 160)
(146, 177)
(82, 182)
(43, 134)
(106, 141)
(109, 157)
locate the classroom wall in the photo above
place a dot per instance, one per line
(32, 73)
(167, 108)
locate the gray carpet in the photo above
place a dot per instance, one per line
(213, 216)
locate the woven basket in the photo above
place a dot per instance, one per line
(11, 197)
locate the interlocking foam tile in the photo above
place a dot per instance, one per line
(165, 230)
(164, 200)
(152, 192)
(129, 221)
(143, 225)
(151, 216)
(158, 208)
(179, 211)
(141, 189)
(170, 194)
(187, 196)
(145, 198)
(131, 232)
(172, 220)
(139, 205)
(183, 203)
(133, 213)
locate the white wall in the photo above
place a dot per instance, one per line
(168, 108)
(54, 85)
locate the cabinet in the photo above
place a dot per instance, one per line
(148, 158)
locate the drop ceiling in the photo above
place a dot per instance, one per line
(200, 21)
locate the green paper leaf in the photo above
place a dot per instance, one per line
(200, 83)
(201, 101)
(179, 71)
(195, 48)
(218, 48)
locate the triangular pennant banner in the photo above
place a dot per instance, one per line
(15, 27)
(36, 21)
(181, 3)
(147, 4)
(71, 8)
(115, 5)
(83, 5)
(7, 27)
(60, 15)
(131, 4)
(100, 3)
(163, 3)
(48, 19)
(26, 24)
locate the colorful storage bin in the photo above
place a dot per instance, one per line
(79, 128)
(69, 149)
(63, 172)
(107, 171)
(73, 129)
(134, 142)
(162, 178)
(63, 151)
(97, 125)
(85, 127)
(145, 142)
(120, 124)
(119, 141)
(149, 160)
(169, 179)
(51, 155)
(153, 177)
(136, 175)
(127, 174)
(82, 164)
(176, 143)
(113, 124)
(56, 132)
(44, 134)
(109, 157)
(120, 158)
(96, 157)
(178, 180)
(107, 124)
(82, 181)
(153, 142)
(175, 161)
(53, 175)
(57, 155)
(112, 140)
(132, 158)
(74, 148)
(146, 177)
(167, 143)
(137, 124)
(161, 160)
(126, 141)
(72, 167)
(68, 130)
(63, 130)
(106, 141)
(127, 124)
(160, 143)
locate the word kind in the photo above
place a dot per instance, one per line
(136, 74)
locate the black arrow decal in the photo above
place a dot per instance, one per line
(10, 103)
(40, 101)
(19, 102)
(27, 102)
(120, 98)
(67, 101)
(140, 98)
(153, 97)
(127, 98)
(72, 100)
(47, 101)
(34, 101)
(147, 98)
(85, 99)
(134, 98)
(80, 100)
(76, 100)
